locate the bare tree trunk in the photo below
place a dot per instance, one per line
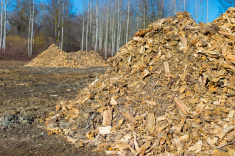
(90, 33)
(87, 30)
(207, 10)
(5, 25)
(131, 27)
(110, 30)
(145, 14)
(62, 28)
(153, 11)
(56, 21)
(173, 8)
(162, 7)
(118, 27)
(138, 15)
(29, 31)
(96, 38)
(58, 26)
(128, 21)
(114, 30)
(196, 12)
(31, 40)
(180, 5)
(101, 33)
(83, 26)
(114, 36)
(1, 27)
(106, 34)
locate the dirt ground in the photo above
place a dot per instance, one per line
(27, 96)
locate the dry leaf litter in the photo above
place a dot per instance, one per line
(169, 91)
(55, 57)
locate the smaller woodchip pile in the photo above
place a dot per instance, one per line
(170, 91)
(55, 57)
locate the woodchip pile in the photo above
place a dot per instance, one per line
(169, 91)
(55, 57)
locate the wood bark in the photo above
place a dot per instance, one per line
(5, 25)
(30, 28)
(196, 11)
(1, 27)
(90, 32)
(118, 26)
(145, 14)
(87, 28)
(138, 15)
(106, 34)
(29, 31)
(128, 21)
(97, 25)
(83, 25)
(100, 32)
(58, 20)
(62, 29)
(32, 31)
(207, 11)
(114, 31)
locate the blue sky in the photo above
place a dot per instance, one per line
(214, 11)
(79, 5)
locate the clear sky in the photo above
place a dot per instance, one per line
(79, 5)
(214, 11)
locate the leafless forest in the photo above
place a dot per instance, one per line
(29, 26)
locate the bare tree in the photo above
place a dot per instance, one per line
(174, 9)
(106, 32)
(207, 11)
(60, 14)
(138, 15)
(4, 29)
(114, 29)
(32, 30)
(83, 25)
(128, 21)
(1, 26)
(97, 25)
(196, 11)
(29, 29)
(87, 28)
(62, 27)
(101, 31)
(118, 27)
(90, 32)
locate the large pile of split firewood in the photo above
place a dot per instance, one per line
(55, 57)
(170, 91)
